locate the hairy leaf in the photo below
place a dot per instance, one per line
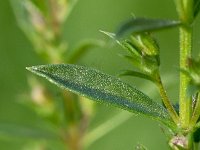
(103, 88)
(138, 25)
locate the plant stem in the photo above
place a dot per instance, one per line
(188, 11)
(185, 52)
(179, 8)
(185, 12)
(166, 101)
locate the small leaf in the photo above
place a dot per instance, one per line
(136, 74)
(126, 44)
(109, 34)
(148, 43)
(131, 48)
(139, 25)
(103, 88)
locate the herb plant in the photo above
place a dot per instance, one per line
(182, 122)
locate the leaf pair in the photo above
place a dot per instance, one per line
(102, 88)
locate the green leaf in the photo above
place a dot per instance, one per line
(131, 48)
(102, 88)
(136, 74)
(13, 131)
(109, 34)
(126, 44)
(196, 7)
(139, 25)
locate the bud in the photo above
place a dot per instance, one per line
(146, 44)
(149, 44)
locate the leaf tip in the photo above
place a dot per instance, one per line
(109, 34)
(33, 69)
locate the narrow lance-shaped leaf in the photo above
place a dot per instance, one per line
(138, 25)
(103, 88)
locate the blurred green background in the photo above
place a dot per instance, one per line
(87, 18)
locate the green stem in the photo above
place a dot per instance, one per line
(179, 8)
(185, 52)
(185, 12)
(188, 11)
(166, 101)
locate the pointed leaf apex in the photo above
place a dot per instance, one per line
(30, 68)
(109, 34)
(37, 70)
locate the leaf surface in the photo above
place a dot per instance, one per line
(138, 25)
(102, 88)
